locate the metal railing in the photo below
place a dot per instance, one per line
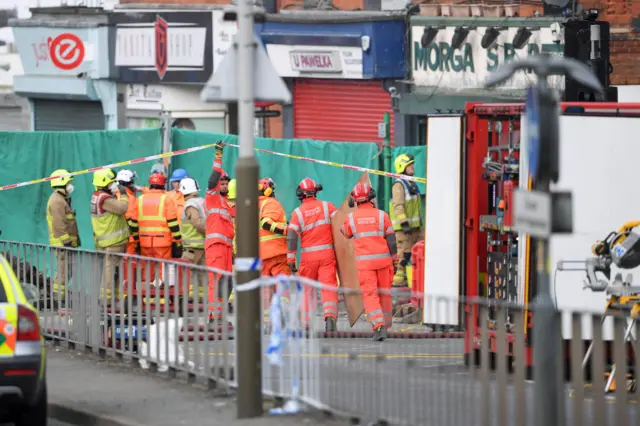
(157, 314)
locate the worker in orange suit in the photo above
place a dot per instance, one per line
(272, 236)
(127, 187)
(311, 224)
(220, 231)
(158, 226)
(374, 242)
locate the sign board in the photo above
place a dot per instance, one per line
(174, 47)
(532, 213)
(223, 34)
(438, 65)
(533, 132)
(56, 51)
(316, 61)
(173, 98)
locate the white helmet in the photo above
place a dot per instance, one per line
(188, 186)
(126, 176)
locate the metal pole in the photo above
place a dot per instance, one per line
(387, 158)
(249, 316)
(546, 324)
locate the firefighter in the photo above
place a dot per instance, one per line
(110, 227)
(126, 181)
(158, 226)
(193, 228)
(231, 196)
(231, 199)
(375, 247)
(405, 210)
(311, 223)
(63, 229)
(273, 238)
(219, 227)
(178, 196)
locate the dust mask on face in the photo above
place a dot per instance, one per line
(69, 188)
(113, 187)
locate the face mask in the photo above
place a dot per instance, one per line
(113, 187)
(69, 188)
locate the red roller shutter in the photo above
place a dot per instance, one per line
(339, 110)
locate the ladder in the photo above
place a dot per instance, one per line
(623, 298)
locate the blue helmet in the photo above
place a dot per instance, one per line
(178, 175)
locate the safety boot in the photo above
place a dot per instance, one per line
(330, 325)
(400, 278)
(380, 334)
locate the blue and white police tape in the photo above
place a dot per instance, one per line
(244, 264)
(280, 334)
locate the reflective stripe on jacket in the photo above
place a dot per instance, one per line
(190, 235)
(61, 221)
(219, 221)
(368, 227)
(312, 222)
(272, 244)
(109, 229)
(410, 210)
(154, 207)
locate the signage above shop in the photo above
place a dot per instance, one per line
(55, 51)
(467, 67)
(316, 61)
(167, 97)
(163, 47)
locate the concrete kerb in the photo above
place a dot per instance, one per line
(76, 416)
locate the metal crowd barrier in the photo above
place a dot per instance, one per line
(159, 319)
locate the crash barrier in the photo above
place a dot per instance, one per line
(33, 156)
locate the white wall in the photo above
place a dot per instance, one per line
(629, 93)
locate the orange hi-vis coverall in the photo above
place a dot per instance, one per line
(273, 244)
(158, 225)
(218, 243)
(132, 219)
(178, 197)
(375, 248)
(311, 222)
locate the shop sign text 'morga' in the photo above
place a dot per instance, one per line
(438, 65)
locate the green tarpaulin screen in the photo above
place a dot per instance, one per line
(32, 155)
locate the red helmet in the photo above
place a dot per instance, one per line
(157, 179)
(307, 188)
(363, 192)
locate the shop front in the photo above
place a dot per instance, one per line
(66, 70)
(340, 69)
(452, 57)
(164, 58)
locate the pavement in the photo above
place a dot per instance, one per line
(84, 389)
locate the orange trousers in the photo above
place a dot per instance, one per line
(324, 271)
(155, 252)
(377, 306)
(273, 267)
(219, 256)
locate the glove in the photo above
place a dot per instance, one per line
(138, 188)
(176, 250)
(293, 268)
(219, 149)
(405, 227)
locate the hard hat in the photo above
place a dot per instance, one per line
(402, 162)
(189, 186)
(158, 168)
(62, 181)
(264, 186)
(363, 192)
(178, 175)
(232, 189)
(126, 176)
(102, 178)
(157, 179)
(307, 187)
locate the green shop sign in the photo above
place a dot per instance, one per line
(467, 67)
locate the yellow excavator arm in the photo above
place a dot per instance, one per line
(600, 246)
